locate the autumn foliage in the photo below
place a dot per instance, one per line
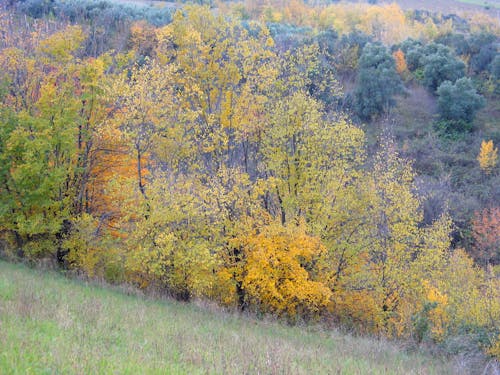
(488, 157)
(399, 58)
(279, 274)
(486, 233)
(200, 162)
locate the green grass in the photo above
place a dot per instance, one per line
(53, 325)
(491, 3)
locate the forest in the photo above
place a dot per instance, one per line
(316, 161)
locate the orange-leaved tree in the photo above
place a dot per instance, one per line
(486, 234)
(280, 275)
(399, 58)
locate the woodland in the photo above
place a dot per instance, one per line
(315, 161)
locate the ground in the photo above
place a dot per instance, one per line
(52, 324)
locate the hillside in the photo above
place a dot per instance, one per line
(293, 160)
(451, 6)
(50, 324)
(445, 6)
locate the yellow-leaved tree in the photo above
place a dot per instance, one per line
(172, 242)
(488, 156)
(224, 73)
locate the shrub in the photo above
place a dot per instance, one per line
(441, 66)
(458, 103)
(377, 82)
(481, 61)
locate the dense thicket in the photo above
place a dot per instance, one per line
(211, 159)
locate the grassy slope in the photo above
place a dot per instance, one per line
(491, 3)
(416, 4)
(49, 324)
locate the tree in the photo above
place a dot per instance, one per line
(482, 50)
(399, 58)
(482, 60)
(144, 106)
(439, 66)
(172, 238)
(456, 42)
(377, 268)
(495, 67)
(279, 275)
(349, 49)
(458, 103)
(495, 73)
(39, 148)
(412, 50)
(395, 234)
(486, 233)
(224, 74)
(377, 82)
(473, 299)
(488, 156)
(306, 158)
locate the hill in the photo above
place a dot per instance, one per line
(451, 6)
(50, 324)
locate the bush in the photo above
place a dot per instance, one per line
(457, 42)
(432, 64)
(495, 68)
(482, 60)
(440, 66)
(413, 53)
(348, 51)
(458, 104)
(377, 82)
(97, 12)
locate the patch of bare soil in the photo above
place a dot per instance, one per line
(415, 111)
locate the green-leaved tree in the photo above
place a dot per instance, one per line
(377, 82)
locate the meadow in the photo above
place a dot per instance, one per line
(491, 3)
(51, 324)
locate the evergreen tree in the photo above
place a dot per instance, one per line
(458, 103)
(377, 82)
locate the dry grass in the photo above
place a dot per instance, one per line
(451, 6)
(49, 324)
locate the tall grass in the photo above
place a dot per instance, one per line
(50, 324)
